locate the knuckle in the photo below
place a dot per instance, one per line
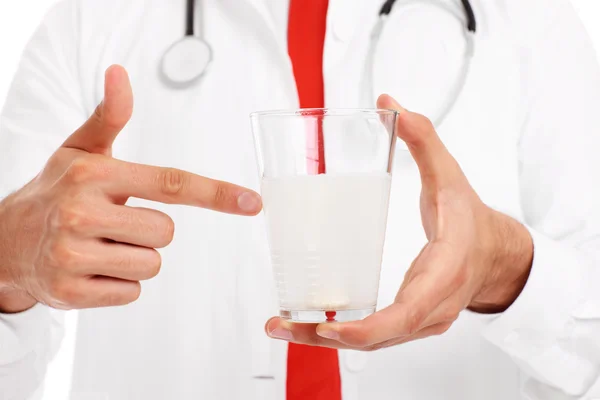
(81, 170)
(442, 328)
(172, 181)
(461, 278)
(72, 217)
(62, 256)
(422, 123)
(450, 316)
(89, 167)
(65, 217)
(55, 162)
(427, 123)
(222, 195)
(414, 320)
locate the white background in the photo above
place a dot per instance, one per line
(18, 19)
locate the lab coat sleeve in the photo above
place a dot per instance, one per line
(552, 331)
(42, 108)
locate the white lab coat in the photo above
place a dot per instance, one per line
(526, 131)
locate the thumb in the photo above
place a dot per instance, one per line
(436, 164)
(98, 133)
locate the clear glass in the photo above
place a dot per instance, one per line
(326, 177)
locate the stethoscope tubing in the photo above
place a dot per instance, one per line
(466, 18)
(471, 28)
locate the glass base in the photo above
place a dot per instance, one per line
(321, 316)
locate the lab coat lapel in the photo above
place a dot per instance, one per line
(345, 16)
(256, 15)
(265, 16)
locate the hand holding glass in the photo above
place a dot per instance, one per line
(326, 178)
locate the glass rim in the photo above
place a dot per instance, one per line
(325, 111)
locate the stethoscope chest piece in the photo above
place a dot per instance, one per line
(186, 61)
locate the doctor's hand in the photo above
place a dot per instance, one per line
(475, 257)
(68, 240)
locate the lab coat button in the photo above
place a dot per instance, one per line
(355, 361)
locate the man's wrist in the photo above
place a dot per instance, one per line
(11, 300)
(511, 265)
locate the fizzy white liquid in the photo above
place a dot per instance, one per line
(326, 235)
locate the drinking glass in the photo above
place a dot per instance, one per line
(325, 182)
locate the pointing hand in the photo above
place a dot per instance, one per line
(68, 240)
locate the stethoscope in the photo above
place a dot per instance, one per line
(470, 29)
(188, 59)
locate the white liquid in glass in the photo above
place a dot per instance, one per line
(326, 235)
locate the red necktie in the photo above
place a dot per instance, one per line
(312, 372)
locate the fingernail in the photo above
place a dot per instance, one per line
(329, 334)
(282, 334)
(249, 202)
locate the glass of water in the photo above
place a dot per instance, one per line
(326, 177)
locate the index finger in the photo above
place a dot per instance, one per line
(175, 186)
